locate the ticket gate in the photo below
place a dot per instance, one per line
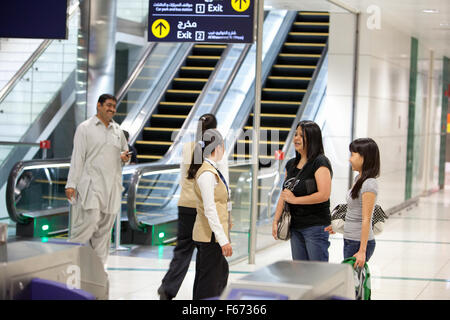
(73, 265)
(294, 280)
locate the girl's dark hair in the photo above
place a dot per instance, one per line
(368, 149)
(312, 139)
(206, 122)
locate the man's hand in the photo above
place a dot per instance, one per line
(70, 193)
(124, 156)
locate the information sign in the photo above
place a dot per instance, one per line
(224, 21)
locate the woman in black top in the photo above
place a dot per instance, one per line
(309, 203)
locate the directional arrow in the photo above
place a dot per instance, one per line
(160, 26)
(240, 3)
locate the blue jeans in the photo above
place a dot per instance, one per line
(351, 247)
(310, 244)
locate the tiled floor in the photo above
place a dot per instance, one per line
(411, 259)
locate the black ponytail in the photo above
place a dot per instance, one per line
(206, 122)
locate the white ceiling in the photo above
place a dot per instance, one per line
(432, 29)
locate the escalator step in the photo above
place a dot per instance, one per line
(163, 120)
(274, 120)
(274, 115)
(175, 107)
(283, 94)
(163, 143)
(161, 134)
(298, 59)
(287, 82)
(196, 72)
(294, 47)
(189, 83)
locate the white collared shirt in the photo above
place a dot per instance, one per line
(207, 183)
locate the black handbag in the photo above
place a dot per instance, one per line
(284, 224)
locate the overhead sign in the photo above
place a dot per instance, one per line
(224, 21)
(43, 19)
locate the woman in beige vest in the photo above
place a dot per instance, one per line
(212, 224)
(187, 212)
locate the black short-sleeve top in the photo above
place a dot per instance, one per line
(307, 215)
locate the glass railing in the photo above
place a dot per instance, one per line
(142, 81)
(153, 195)
(32, 92)
(36, 189)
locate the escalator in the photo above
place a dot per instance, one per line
(285, 86)
(35, 190)
(177, 102)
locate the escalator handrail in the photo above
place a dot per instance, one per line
(14, 174)
(160, 92)
(231, 78)
(278, 166)
(32, 59)
(135, 73)
(21, 166)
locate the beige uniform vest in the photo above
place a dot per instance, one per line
(202, 231)
(187, 195)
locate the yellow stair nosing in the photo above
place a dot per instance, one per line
(280, 102)
(184, 91)
(275, 115)
(198, 68)
(304, 44)
(175, 116)
(305, 23)
(169, 103)
(294, 66)
(161, 143)
(205, 57)
(269, 128)
(52, 181)
(295, 33)
(303, 55)
(284, 90)
(160, 129)
(141, 156)
(191, 79)
(289, 78)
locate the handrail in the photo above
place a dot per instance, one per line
(231, 78)
(159, 91)
(135, 73)
(20, 166)
(32, 59)
(15, 173)
(276, 170)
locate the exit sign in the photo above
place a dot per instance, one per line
(223, 21)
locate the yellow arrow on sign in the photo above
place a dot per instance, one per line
(160, 28)
(240, 5)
